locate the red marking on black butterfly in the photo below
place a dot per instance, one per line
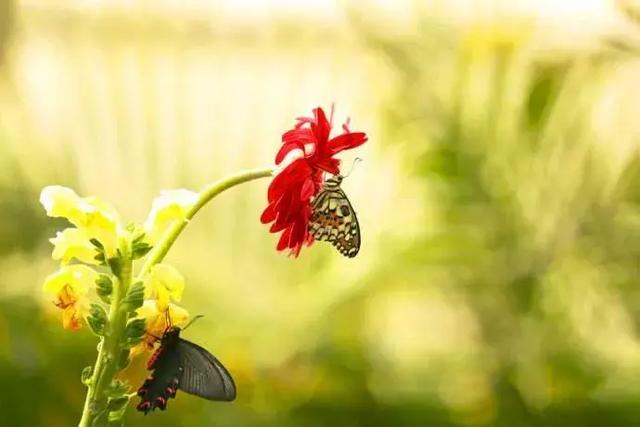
(154, 357)
(182, 365)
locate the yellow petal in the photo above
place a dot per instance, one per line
(70, 285)
(101, 223)
(94, 217)
(73, 315)
(171, 206)
(73, 243)
(61, 201)
(156, 323)
(156, 320)
(75, 280)
(164, 284)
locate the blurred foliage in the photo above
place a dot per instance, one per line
(499, 205)
(7, 12)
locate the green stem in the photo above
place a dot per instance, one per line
(160, 250)
(109, 354)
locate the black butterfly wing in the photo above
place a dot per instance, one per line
(202, 374)
(163, 383)
(335, 221)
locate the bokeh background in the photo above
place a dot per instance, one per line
(499, 202)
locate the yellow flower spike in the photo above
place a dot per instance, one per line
(170, 207)
(96, 218)
(73, 243)
(164, 284)
(156, 323)
(70, 285)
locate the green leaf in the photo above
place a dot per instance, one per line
(100, 258)
(101, 420)
(135, 332)
(115, 264)
(104, 287)
(118, 388)
(97, 319)
(95, 242)
(138, 238)
(117, 407)
(124, 359)
(134, 298)
(85, 377)
(140, 249)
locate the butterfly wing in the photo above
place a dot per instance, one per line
(202, 374)
(163, 384)
(335, 221)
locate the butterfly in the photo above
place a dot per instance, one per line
(179, 364)
(333, 218)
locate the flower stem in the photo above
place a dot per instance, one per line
(109, 354)
(159, 251)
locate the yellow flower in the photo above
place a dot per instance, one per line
(70, 285)
(73, 243)
(156, 323)
(96, 218)
(164, 284)
(168, 208)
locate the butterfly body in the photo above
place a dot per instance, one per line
(179, 364)
(333, 218)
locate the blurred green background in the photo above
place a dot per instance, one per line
(499, 203)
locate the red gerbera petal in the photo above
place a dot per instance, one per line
(283, 243)
(328, 164)
(321, 127)
(346, 141)
(268, 215)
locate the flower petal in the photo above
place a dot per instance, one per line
(320, 127)
(61, 201)
(269, 214)
(95, 217)
(73, 243)
(283, 243)
(156, 323)
(308, 189)
(73, 315)
(328, 164)
(171, 206)
(70, 285)
(296, 172)
(163, 283)
(346, 141)
(76, 278)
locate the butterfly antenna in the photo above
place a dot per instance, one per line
(192, 320)
(167, 320)
(353, 165)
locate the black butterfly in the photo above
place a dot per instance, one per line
(333, 218)
(180, 364)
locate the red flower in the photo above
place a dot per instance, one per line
(291, 191)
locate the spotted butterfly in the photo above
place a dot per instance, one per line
(333, 218)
